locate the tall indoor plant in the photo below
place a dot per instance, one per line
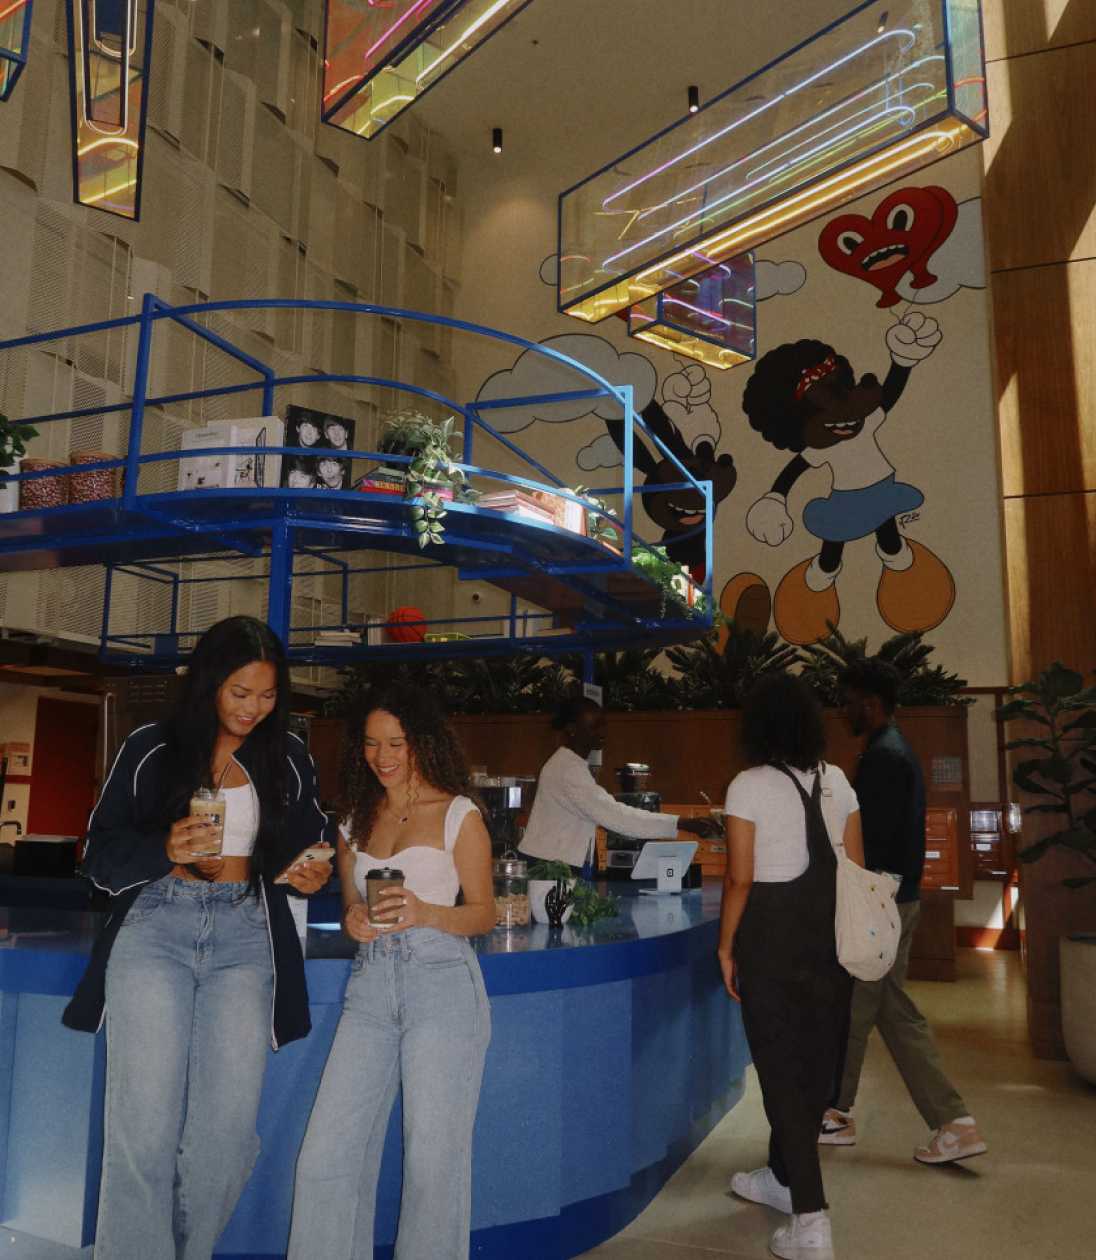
(1060, 712)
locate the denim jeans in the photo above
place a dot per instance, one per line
(188, 1008)
(415, 1015)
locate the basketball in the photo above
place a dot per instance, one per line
(405, 625)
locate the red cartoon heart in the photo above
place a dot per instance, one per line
(903, 233)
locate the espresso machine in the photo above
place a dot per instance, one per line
(506, 799)
(622, 851)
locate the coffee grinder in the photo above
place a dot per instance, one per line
(622, 851)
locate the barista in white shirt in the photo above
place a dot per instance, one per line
(570, 806)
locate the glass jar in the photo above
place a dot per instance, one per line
(511, 880)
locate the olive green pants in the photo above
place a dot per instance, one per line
(885, 1004)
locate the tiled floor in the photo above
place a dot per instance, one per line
(1032, 1197)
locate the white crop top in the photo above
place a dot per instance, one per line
(241, 821)
(430, 873)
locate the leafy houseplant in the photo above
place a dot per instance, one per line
(711, 679)
(431, 468)
(1063, 771)
(13, 442)
(920, 684)
(589, 905)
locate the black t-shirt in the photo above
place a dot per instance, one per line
(891, 790)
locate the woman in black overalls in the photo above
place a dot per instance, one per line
(778, 950)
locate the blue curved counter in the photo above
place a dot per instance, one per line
(614, 1052)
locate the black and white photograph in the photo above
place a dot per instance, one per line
(325, 436)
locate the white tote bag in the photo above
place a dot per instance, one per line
(867, 922)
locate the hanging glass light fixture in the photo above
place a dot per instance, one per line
(14, 42)
(710, 317)
(110, 48)
(875, 96)
(380, 58)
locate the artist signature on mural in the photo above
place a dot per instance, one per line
(908, 518)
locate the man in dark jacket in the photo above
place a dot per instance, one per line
(891, 790)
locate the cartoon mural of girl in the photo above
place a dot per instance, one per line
(804, 397)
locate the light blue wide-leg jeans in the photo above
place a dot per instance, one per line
(415, 1016)
(189, 988)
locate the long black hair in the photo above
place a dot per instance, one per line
(435, 752)
(782, 723)
(192, 728)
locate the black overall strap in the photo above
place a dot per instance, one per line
(819, 845)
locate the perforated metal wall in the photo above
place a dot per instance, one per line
(245, 194)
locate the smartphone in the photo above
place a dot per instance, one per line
(316, 853)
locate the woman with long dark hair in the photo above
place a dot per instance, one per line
(777, 945)
(416, 1013)
(199, 966)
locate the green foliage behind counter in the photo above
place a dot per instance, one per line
(701, 675)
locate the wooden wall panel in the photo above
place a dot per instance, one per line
(1050, 544)
(1016, 27)
(1045, 328)
(1040, 195)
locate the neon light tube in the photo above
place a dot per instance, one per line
(797, 139)
(378, 62)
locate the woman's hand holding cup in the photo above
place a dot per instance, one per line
(397, 909)
(356, 923)
(188, 835)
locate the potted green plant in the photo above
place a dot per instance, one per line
(13, 446)
(588, 905)
(1061, 774)
(543, 877)
(432, 476)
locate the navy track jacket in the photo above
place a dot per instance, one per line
(125, 850)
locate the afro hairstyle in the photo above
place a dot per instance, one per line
(769, 399)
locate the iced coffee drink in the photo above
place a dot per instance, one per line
(208, 806)
(377, 883)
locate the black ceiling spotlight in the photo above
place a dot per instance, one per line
(496, 139)
(694, 98)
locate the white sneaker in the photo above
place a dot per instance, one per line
(958, 1140)
(838, 1128)
(761, 1186)
(805, 1237)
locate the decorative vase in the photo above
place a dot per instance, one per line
(9, 490)
(43, 492)
(1078, 972)
(90, 486)
(538, 890)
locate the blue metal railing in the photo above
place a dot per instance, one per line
(154, 309)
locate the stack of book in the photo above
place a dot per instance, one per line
(379, 482)
(566, 513)
(338, 638)
(518, 503)
(391, 481)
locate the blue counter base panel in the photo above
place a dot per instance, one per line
(612, 1057)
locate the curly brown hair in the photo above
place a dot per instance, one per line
(435, 752)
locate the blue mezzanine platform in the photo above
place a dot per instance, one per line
(594, 595)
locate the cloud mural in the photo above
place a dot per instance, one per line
(959, 263)
(534, 374)
(778, 279)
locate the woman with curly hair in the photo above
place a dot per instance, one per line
(416, 1014)
(777, 945)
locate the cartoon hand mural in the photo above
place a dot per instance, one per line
(768, 519)
(913, 339)
(804, 397)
